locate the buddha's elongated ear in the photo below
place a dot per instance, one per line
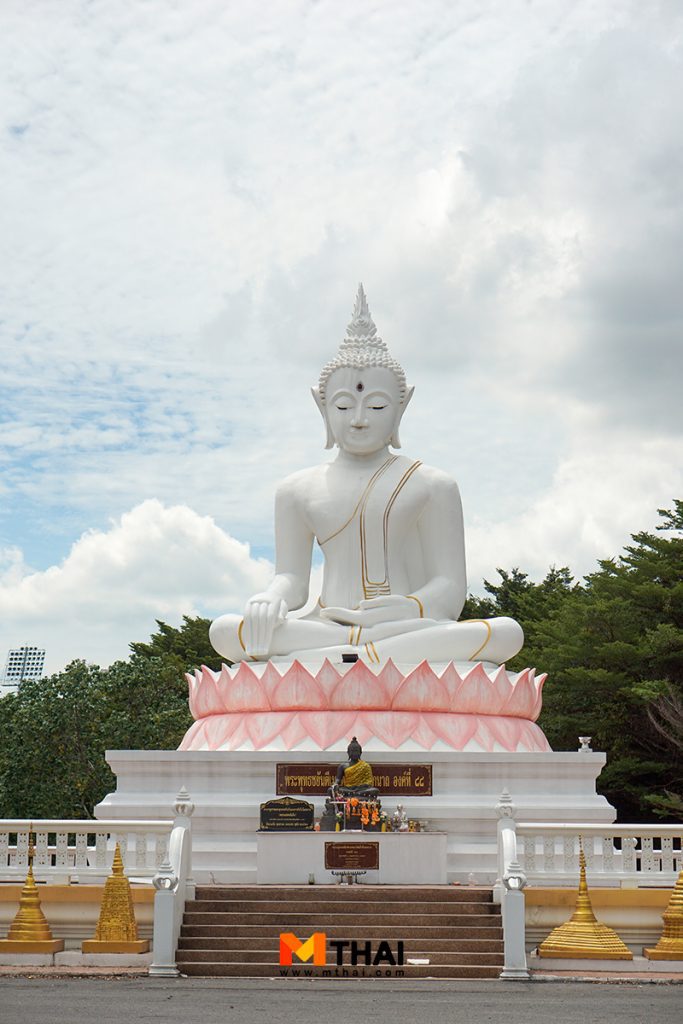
(395, 441)
(317, 398)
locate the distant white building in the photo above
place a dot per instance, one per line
(22, 663)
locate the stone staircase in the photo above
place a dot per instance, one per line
(234, 930)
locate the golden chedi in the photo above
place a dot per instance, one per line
(29, 931)
(117, 930)
(670, 946)
(582, 937)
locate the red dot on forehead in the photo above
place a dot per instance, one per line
(360, 386)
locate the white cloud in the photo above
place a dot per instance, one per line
(581, 518)
(154, 562)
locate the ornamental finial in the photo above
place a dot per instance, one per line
(362, 347)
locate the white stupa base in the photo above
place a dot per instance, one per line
(227, 788)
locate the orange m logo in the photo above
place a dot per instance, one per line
(312, 947)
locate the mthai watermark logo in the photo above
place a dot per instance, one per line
(340, 958)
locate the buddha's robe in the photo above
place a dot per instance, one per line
(358, 774)
(394, 533)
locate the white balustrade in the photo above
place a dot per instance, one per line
(81, 850)
(616, 855)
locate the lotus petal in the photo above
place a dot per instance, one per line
(455, 730)
(422, 733)
(508, 733)
(270, 680)
(521, 700)
(452, 680)
(298, 690)
(422, 690)
(538, 702)
(392, 727)
(391, 678)
(474, 694)
(245, 691)
(205, 698)
(326, 727)
(535, 738)
(500, 692)
(293, 733)
(327, 678)
(239, 739)
(263, 728)
(193, 737)
(192, 688)
(483, 738)
(363, 727)
(215, 731)
(359, 689)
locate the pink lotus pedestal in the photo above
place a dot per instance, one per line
(454, 706)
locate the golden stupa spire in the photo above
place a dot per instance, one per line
(29, 931)
(117, 930)
(670, 946)
(582, 936)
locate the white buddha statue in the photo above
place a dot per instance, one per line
(390, 529)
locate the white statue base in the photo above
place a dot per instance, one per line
(227, 788)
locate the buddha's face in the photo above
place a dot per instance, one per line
(363, 408)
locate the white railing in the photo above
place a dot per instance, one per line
(174, 885)
(638, 855)
(548, 854)
(66, 850)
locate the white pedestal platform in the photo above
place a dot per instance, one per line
(227, 788)
(405, 858)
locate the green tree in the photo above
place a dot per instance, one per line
(613, 649)
(56, 731)
(188, 643)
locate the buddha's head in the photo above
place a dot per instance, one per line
(362, 394)
(354, 750)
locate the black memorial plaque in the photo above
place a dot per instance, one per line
(352, 856)
(286, 815)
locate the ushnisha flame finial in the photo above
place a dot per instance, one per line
(362, 347)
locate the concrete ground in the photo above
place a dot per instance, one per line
(65, 1000)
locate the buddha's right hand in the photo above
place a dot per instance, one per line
(264, 612)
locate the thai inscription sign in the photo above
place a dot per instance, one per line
(286, 815)
(352, 856)
(390, 779)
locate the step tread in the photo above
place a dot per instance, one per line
(325, 906)
(247, 970)
(270, 958)
(270, 944)
(343, 932)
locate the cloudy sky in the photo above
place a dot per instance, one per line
(190, 194)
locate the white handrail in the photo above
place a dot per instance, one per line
(644, 854)
(174, 885)
(509, 892)
(67, 849)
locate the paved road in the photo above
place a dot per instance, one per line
(222, 1001)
